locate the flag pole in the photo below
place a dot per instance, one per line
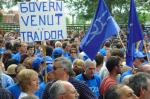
(44, 54)
(146, 50)
(121, 40)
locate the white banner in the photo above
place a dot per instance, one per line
(40, 21)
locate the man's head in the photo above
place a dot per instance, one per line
(140, 83)
(113, 64)
(78, 66)
(62, 68)
(138, 59)
(62, 90)
(90, 68)
(23, 47)
(120, 92)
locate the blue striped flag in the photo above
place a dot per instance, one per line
(103, 26)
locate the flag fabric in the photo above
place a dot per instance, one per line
(140, 46)
(103, 26)
(135, 33)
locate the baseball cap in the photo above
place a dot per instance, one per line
(36, 62)
(58, 51)
(139, 54)
(49, 68)
(48, 60)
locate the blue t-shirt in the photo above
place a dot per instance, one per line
(17, 57)
(127, 73)
(15, 90)
(93, 84)
(39, 92)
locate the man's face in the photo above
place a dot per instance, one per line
(127, 93)
(137, 63)
(119, 67)
(30, 51)
(58, 70)
(147, 92)
(70, 93)
(91, 70)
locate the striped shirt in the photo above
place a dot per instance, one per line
(5, 94)
(107, 83)
(81, 87)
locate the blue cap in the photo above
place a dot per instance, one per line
(103, 52)
(139, 54)
(58, 51)
(36, 62)
(49, 60)
(49, 68)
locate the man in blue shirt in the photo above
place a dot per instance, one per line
(90, 78)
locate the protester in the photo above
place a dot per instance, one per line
(90, 77)
(99, 63)
(73, 53)
(5, 94)
(140, 83)
(5, 79)
(63, 71)
(78, 66)
(63, 90)
(21, 50)
(120, 92)
(28, 80)
(113, 65)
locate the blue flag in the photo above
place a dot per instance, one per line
(102, 27)
(135, 34)
(140, 46)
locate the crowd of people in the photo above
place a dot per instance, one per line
(61, 70)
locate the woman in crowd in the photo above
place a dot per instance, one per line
(28, 80)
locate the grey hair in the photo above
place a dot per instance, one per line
(139, 81)
(67, 65)
(89, 62)
(56, 89)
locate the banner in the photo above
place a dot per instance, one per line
(40, 21)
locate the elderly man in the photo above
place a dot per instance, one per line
(140, 83)
(90, 77)
(63, 71)
(62, 90)
(120, 92)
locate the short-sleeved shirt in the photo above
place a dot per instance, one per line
(107, 83)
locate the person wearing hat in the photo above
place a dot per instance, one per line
(139, 60)
(57, 52)
(37, 66)
(50, 77)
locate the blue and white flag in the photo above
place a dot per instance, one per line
(135, 34)
(102, 27)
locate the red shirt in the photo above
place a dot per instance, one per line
(106, 83)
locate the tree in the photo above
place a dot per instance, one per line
(85, 9)
(9, 3)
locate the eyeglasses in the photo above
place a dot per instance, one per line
(71, 92)
(73, 52)
(55, 68)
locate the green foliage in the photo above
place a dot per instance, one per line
(1, 17)
(85, 9)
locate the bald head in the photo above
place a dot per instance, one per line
(62, 89)
(145, 68)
